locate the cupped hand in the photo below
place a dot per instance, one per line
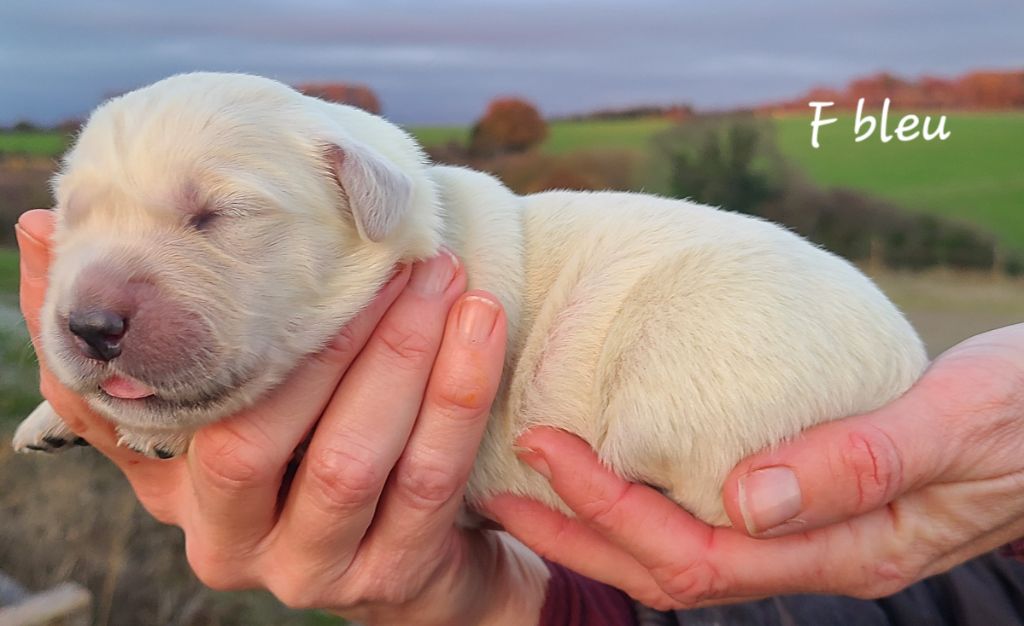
(366, 525)
(862, 506)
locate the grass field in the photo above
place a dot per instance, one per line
(976, 175)
(566, 137)
(35, 143)
(8, 272)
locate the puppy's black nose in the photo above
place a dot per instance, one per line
(100, 330)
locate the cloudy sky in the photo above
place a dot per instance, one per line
(440, 61)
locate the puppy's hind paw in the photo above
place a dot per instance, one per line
(44, 431)
(156, 446)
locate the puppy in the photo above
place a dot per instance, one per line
(215, 228)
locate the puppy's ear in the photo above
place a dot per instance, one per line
(379, 194)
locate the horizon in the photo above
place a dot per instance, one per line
(442, 66)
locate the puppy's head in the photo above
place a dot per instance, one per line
(212, 230)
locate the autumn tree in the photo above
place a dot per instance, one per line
(509, 125)
(359, 96)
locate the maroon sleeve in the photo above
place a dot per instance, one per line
(1014, 549)
(573, 600)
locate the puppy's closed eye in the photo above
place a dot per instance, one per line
(203, 221)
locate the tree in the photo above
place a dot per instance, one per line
(359, 96)
(508, 125)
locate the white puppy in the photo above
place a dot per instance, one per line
(213, 229)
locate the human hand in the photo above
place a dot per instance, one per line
(862, 506)
(366, 526)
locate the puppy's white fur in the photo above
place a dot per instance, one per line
(673, 337)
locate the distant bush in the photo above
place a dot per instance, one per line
(722, 163)
(533, 171)
(509, 125)
(675, 112)
(24, 184)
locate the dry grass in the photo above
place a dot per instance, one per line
(74, 517)
(947, 307)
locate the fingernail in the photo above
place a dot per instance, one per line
(32, 253)
(536, 461)
(432, 277)
(477, 318)
(769, 497)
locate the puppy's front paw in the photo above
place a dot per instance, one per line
(154, 445)
(44, 431)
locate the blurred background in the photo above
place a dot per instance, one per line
(705, 100)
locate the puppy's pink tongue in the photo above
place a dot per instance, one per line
(126, 388)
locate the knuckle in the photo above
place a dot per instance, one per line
(870, 457)
(602, 511)
(658, 601)
(886, 578)
(691, 583)
(426, 484)
(386, 588)
(345, 478)
(406, 346)
(216, 573)
(230, 460)
(462, 396)
(297, 593)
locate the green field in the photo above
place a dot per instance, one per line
(976, 175)
(35, 143)
(566, 137)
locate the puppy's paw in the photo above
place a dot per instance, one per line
(44, 431)
(154, 445)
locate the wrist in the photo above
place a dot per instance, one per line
(517, 583)
(487, 579)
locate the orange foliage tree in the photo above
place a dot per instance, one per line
(509, 125)
(343, 93)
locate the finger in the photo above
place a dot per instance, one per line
(424, 493)
(237, 465)
(366, 425)
(576, 546)
(584, 550)
(33, 232)
(838, 470)
(695, 563)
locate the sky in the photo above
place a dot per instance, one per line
(441, 61)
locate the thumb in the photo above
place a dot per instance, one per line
(837, 470)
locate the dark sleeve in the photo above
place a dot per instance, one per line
(573, 600)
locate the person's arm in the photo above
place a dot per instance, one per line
(862, 506)
(366, 527)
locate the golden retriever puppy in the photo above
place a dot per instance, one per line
(213, 229)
